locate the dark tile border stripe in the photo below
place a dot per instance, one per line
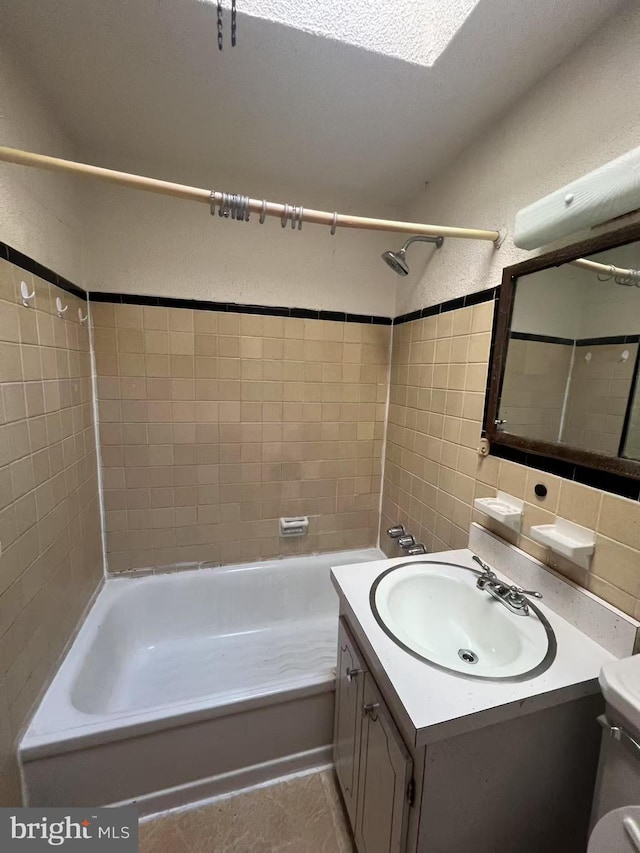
(450, 305)
(543, 339)
(614, 339)
(617, 484)
(26, 263)
(580, 342)
(238, 308)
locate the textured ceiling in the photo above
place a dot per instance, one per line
(416, 31)
(142, 81)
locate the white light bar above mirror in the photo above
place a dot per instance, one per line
(607, 192)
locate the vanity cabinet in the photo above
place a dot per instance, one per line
(348, 720)
(528, 777)
(373, 765)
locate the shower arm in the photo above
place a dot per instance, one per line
(265, 208)
(437, 241)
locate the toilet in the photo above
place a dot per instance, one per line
(617, 832)
(615, 816)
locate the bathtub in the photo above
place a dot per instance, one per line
(186, 685)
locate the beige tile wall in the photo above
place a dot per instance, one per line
(534, 387)
(213, 425)
(438, 380)
(598, 397)
(433, 472)
(51, 550)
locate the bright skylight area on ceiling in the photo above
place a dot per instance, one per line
(415, 31)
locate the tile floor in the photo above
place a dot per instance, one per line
(303, 814)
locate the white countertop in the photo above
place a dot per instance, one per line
(439, 704)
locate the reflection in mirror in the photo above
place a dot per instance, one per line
(571, 364)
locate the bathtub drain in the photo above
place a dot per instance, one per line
(467, 656)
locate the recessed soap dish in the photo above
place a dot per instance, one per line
(570, 540)
(503, 508)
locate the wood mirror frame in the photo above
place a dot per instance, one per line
(502, 442)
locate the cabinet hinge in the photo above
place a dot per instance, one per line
(411, 792)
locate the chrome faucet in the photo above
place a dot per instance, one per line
(513, 597)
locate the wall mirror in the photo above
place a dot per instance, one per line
(564, 374)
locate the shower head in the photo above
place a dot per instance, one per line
(398, 260)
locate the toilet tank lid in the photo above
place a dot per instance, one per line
(620, 683)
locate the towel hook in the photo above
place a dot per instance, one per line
(26, 296)
(334, 224)
(61, 309)
(82, 319)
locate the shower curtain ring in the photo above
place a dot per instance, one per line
(285, 215)
(224, 206)
(247, 210)
(605, 277)
(263, 212)
(294, 217)
(334, 224)
(300, 215)
(212, 203)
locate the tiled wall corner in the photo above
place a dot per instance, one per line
(438, 381)
(215, 424)
(51, 559)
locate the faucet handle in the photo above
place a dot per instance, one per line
(487, 570)
(406, 541)
(516, 590)
(396, 532)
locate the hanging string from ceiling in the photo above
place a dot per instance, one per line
(242, 206)
(234, 24)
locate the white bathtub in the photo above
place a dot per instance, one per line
(185, 685)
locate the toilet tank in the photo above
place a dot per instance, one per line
(618, 779)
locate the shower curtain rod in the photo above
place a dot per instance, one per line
(609, 270)
(268, 208)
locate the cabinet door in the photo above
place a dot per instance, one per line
(385, 776)
(348, 719)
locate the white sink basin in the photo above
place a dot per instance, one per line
(434, 611)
